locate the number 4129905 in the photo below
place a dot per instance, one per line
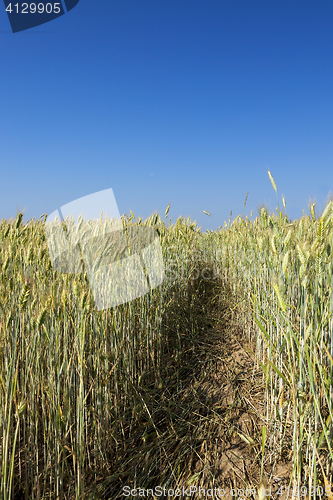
(33, 8)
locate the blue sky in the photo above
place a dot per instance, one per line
(185, 102)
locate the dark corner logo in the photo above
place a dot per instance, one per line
(26, 15)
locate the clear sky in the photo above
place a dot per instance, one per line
(187, 102)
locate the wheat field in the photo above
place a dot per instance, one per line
(92, 400)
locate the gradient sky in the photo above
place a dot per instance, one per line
(185, 102)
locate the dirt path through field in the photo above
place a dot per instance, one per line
(235, 396)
